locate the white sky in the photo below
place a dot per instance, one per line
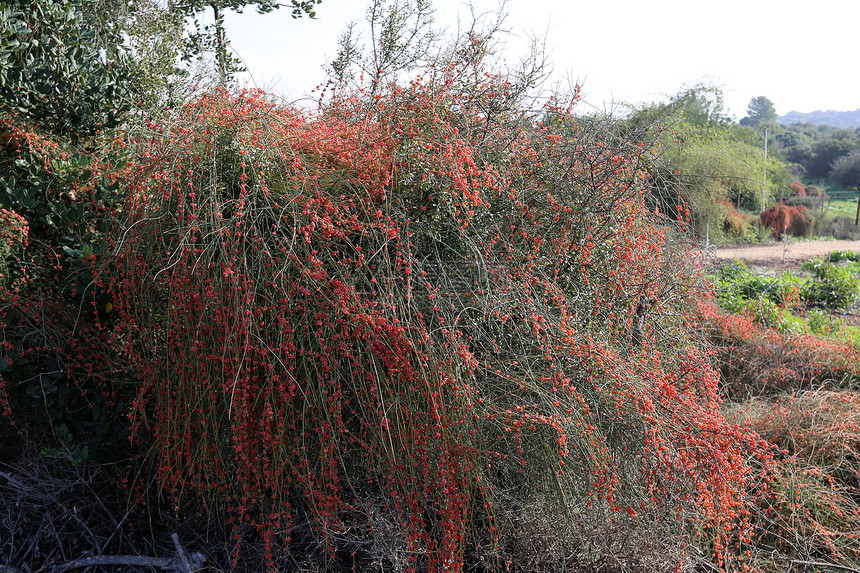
(801, 55)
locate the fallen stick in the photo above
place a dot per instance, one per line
(183, 556)
(178, 564)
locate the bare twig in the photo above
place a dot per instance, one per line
(820, 564)
(183, 556)
(182, 564)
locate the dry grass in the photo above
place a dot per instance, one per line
(813, 509)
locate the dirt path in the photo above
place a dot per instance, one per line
(796, 251)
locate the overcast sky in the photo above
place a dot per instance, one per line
(803, 56)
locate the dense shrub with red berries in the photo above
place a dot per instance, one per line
(420, 319)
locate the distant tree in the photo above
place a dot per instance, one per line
(846, 170)
(702, 105)
(826, 151)
(794, 145)
(760, 112)
(213, 37)
(707, 163)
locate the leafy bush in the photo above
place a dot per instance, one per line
(825, 324)
(54, 73)
(797, 189)
(808, 202)
(837, 256)
(58, 176)
(838, 227)
(815, 191)
(735, 223)
(56, 201)
(743, 292)
(835, 286)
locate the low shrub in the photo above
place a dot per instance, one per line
(838, 227)
(786, 220)
(808, 202)
(797, 189)
(756, 360)
(812, 512)
(815, 191)
(741, 291)
(735, 224)
(826, 324)
(838, 256)
(835, 287)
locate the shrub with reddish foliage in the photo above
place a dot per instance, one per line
(397, 312)
(734, 222)
(815, 191)
(756, 360)
(797, 189)
(422, 328)
(812, 509)
(784, 219)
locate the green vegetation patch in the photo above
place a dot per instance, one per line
(776, 301)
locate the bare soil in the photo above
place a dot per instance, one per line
(773, 253)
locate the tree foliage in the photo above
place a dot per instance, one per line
(52, 71)
(704, 164)
(67, 81)
(760, 113)
(826, 151)
(846, 170)
(213, 37)
(814, 148)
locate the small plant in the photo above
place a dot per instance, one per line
(825, 324)
(844, 255)
(834, 287)
(740, 290)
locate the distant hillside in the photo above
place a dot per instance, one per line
(830, 117)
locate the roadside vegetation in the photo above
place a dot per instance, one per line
(435, 323)
(788, 348)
